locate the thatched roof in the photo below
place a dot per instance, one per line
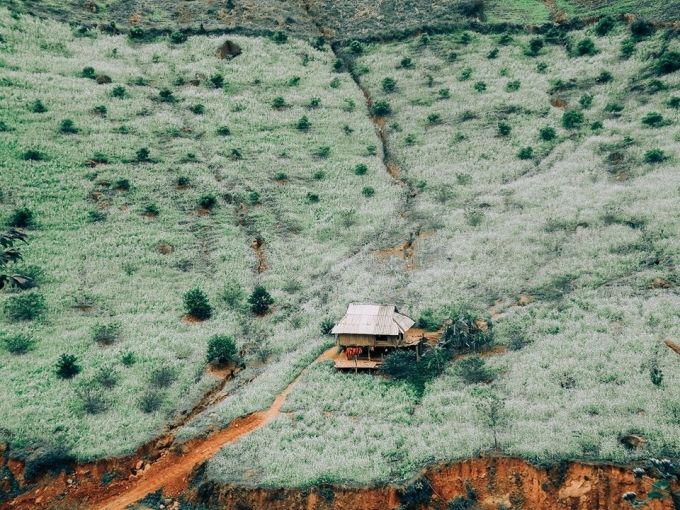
(362, 319)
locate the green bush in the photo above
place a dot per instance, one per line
(444, 93)
(37, 106)
(429, 321)
(106, 334)
(217, 80)
(513, 86)
(223, 131)
(480, 86)
(108, 377)
(222, 350)
(315, 102)
(547, 133)
(128, 359)
(88, 72)
(260, 300)
(368, 191)
(361, 169)
(604, 26)
(604, 77)
(207, 201)
(667, 63)
(197, 109)
(25, 307)
(465, 74)
(338, 65)
(136, 33)
(640, 28)
(319, 175)
(434, 118)
(356, 47)
(196, 304)
(100, 110)
(655, 86)
(323, 152)
(21, 218)
(326, 326)
(410, 139)
(151, 210)
(381, 108)
(596, 125)
(294, 81)
(541, 67)
(67, 366)
(586, 101)
(280, 37)
(303, 124)
(572, 119)
(504, 128)
(492, 54)
(674, 102)
(505, 39)
(33, 155)
(406, 63)
(312, 198)
(93, 400)
(399, 364)
(166, 96)
(655, 156)
(18, 343)
(653, 119)
(525, 153)
(613, 108)
(163, 377)
(585, 47)
(473, 370)
(233, 294)
(142, 154)
(389, 84)
(150, 401)
(627, 48)
(68, 127)
(178, 37)
(535, 46)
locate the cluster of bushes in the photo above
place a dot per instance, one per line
(197, 305)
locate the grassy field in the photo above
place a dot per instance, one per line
(504, 199)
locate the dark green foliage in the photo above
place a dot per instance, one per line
(674, 102)
(280, 37)
(122, 185)
(136, 33)
(480, 86)
(37, 106)
(541, 67)
(389, 84)
(604, 77)
(640, 28)
(444, 93)
(93, 400)
(406, 63)
(253, 197)
(25, 307)
(260, 300)
(416, 495)
(319, 175)
(108, 377)
(586, 101)
(434, 118)
(303, 124)
(338, 65)
(178, 37)
(604, 26)
(453, 56)
(535, 46)
(513, 86)
(492, 54)
(627, 48)
(547, 133)
(465, 38)
(323, 152)
(197, 109)
(504, 128)
(466, 333)
(33, 155)
(67, 366)
(163, 377)
(655, 86)
(424, 40)
(217, 80)
(525, 153)
(613, 108)
(207, 201)
(465, 74)
(128, 359)
(312, 198)
(9, 254)
(96, 216)
(399, 364)
(356, 47)
(368, 191)
(151, 210)
(585, 47)
(166, 96)
(182, 181)
(655, 156)
(429, 320)
(596, 125)
(21, 218)
(410, 139)
(381, 108)
(361, 169)
(371, 150)
(315, 102)
(100, 110)
(350, 105)
(223, 131)
(150, 401)
(505, 39)
(656, 375)
(281, 176)
(572, 119)
(473, 370)
(429, 79)
(142, 155)
(68, 127)
(18, 343)
(4, 128)
(653, 119)
(326, 326)
(88, 72)
(669, 62)
(196, 304)
(294, 81)
(222, 350)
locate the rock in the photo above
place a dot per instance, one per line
(38, 500)
(633, 441)
(139, 465)
(69, 481)
(165, 442)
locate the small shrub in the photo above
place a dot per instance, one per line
(25, 307)
(338, 65)
(604, 26)
(21, 218)
(381, 108)
(108, 377)
(674, 102)
(585, 47)
(505, 39)
(572, 119)
(136, 33)
(303, 124)
(465, 38)
(100, 110)
(473, 216)
(33, 155)
(361, 169)
(128, 359)
(453, 56)
(368, 191)
(653, 119)
(67, 366)
(312, 198)
(428, 321)
(465, 74)
(207, 201)
(504, 129)
(640, 28)
(106, 334)
(326, 326)
(399, 364)
(223, 131)
(142, 155)
(434, 118)
(150, 401)
(196, 304)
(371, 150)
(655, 86)
(260, 300)
(492, 54)
(356, 47)
(166, 96)
(68, 127)
(197, 109)
(163, 377)
(444, 93)
(480, 86)
(541, 68)
(547, 133)
(596, 125)
(654, 156)
(410, 139)
(18, 344)
(627, 48)
(535, 46)
(350, 105)
(96, 216)
(417, 494)
(323, 152)
(604, 77)
(88, 72)
(667, 63)
(93, 400)
(473, 370)
(178, 37)
(586, 101)
(406, 63)
(525, 153)
(280, 37)
(315, 102)
(294, 81)
(656, 375)
(463, 179)
(217, 80)
(37, 106)
(4, 128)
(319, 175)
(389, 84)
(613, 108)
(253, 198)
(182, 181)
(222, 350)
(513, 86)
(122, 184)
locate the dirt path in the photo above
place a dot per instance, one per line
(171, 472)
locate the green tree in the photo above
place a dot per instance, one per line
(399, 364)
(222, 350)
(10, 254)
(260, 300)
(67, 366)
(197, 305)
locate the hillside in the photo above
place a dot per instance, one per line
(531, 185)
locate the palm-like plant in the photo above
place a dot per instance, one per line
(9, 254)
